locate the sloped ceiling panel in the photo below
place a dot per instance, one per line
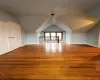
(77, 21)
(32, 23)
(95, 11)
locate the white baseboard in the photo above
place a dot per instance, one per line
(31, 43)
(10, 51)
(23, 45)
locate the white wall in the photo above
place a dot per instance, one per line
(57, 29)
(23, 37)
(32, 23)
(78, 38)
(72, 38)
(53, 28)
(68, 38)
(93, 35)
(99, 40)
(31, 38)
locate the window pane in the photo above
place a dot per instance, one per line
(60, 35)
(47, 36)
(53, 36)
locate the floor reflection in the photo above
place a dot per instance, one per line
(53, 47)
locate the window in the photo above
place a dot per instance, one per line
(53, 36)
(47, 36)
(59, 35)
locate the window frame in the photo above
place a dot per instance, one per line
(53, 32)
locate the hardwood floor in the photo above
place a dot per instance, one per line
(51, 61)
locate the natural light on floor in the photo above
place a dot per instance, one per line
(53, 47)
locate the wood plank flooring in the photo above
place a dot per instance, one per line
(51, 62)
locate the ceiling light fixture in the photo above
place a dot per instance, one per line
(53, 18)
(52, 15)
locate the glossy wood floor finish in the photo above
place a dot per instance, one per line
(51, 62)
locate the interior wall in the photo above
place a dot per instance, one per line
(31, 38)
(54, 28)
(68, 38)
(93, 35)
(30, 24)
(99, 40)
(71, 38)
(23, 37)
(78, 38)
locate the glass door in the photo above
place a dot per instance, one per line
(53, 36)
(59, 35)
(47, 36)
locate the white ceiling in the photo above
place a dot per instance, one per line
(35, 7)
(33, 13)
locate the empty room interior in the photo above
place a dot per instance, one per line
(49, 39)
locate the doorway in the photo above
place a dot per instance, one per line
(53, 36)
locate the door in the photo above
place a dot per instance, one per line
(4, 38)
(18, 36)
(10, 37)
(59, 34)
(47, 36)
(53, 36)
(15, 36)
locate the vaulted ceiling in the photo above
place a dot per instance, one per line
(33, 13)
